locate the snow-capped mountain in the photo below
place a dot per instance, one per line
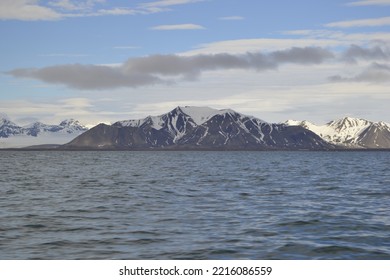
(182, 120)
(351, 132)
(8, 128)
(15, 136)
(198, 128)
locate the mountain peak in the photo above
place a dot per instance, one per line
(347, 122)
(199, 115)
(3, 116)
(348, 129)
(70, 122)
(5, 121)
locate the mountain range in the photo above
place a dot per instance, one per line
(351, 132)
(198, 128)
(16, 136)
(201, 128)
(206, 128)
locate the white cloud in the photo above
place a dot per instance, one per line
(337, 39)
(71, 5)
(115, 12)
(370, 22)
(28, 10)
(163, 5)
(41, 110)
(341, 37)
(370, 3)
(240, 46)
(54, 111)
(64, 55)
(64, 4)
(231, 18)
(188, 26)
(126, 47)
(167, 3)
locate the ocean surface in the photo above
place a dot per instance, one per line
(194, 205)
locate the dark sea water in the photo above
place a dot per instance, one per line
(194, 205)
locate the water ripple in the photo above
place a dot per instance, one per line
(185, 205)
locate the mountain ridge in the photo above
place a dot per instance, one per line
(351, 132)
(198, 128)
(38, 133)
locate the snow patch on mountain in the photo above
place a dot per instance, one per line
(201, 115)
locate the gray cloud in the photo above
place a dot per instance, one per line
(355, 53)
(308, 55)
(86, 76)
(162, 69)
(375, 73)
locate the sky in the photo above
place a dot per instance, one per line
(104, 61)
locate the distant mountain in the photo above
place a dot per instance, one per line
(8, 128)
(351, 132)
(198, 128)
(15, 136)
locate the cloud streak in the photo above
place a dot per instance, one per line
(34, 10)
(232, 18)
(370, 3)
(70, 5)
(167, 3)
(188, 26)
(166, 69)
(369, 22)
(27, 10)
